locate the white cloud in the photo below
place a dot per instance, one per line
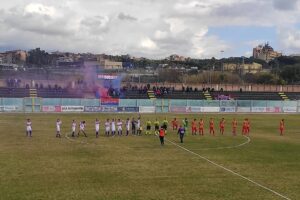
(40, 9)
(147, 43)
(150, 28)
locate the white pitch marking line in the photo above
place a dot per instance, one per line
(228, 170)
(72, 140)
(230, 147)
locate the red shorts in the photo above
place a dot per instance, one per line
(194, 129)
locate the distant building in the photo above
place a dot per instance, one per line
(177, 58)
(110, 65)
(265, 52)
(251, 68)
(14, 57)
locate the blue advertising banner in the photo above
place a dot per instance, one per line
(128, 109)
(92, 109)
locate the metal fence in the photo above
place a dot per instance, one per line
(146, 106)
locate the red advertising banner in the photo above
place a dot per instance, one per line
(109, 101)
(51, 109)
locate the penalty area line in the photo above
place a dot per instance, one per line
(229, 170)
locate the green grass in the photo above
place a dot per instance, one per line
(44, 167)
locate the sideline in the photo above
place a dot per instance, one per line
(228, 170)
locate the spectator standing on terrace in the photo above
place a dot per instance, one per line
(181, 132)
(281, 127)
(97, 127)
(28, 128)
(58, 125)
(234, 126)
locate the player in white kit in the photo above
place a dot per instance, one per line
(58, 125)
(127, 126)
(113, 127)
(138, 127)
(73, 128)
(107, 127)
(28, 128)
(97, 127)
(119, 125)
(81, 129)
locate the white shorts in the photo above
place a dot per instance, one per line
(97, 129)
(73, 129)
(28, 129)
(81, 129)
(58, 129)
(119, 128)
(107, 129)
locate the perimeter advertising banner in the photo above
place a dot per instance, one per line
(259, 109)
(290, 109)
(147, 109)
(243, 109)
(8, 108)
(192, 109)
(128, 109)
(72, 108)
(178, 109)
(109, 101)
(51, 108)
(227, 109)
(210, 109)
(92, 109)
(273, 110)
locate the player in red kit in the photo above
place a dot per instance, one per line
(175, 124)
(234, 126)
(222, 126)
(201, 127)
(281, 127)
(211, 126)
(244, 129)
(247, 127)
(194, 127)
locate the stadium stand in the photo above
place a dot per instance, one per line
(14, 92)
(245, 95)
(293, 95)
(58, 93)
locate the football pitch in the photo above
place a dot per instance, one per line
(263, 166)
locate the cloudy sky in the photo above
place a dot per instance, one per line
(151, 28)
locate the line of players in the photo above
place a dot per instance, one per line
(114, 127)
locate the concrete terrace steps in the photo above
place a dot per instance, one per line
(283, 96)
(151, 94)
(207, 95)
